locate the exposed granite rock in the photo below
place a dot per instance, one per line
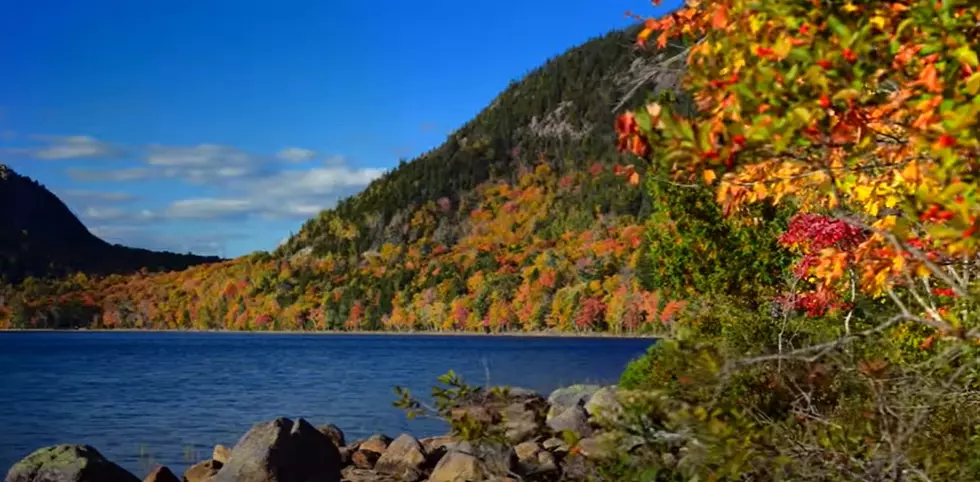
(562, 399)
(161, 474)
(574, 418)
(282, 451)
(221, 454)
(202, 471)
(459, 467)
(403, 458)
(334, 433)
(376, 443)
(68, 463)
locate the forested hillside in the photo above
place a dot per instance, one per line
(40, 237)
(525, 218)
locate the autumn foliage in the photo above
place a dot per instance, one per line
(862, 117)
(864, 113)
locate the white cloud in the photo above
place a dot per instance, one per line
(296, 154)
(208, 208)
(203, 155)
(72, 147)
(116, 215)
(129, 174)
(98, 196)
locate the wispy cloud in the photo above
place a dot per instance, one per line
(208, 209)
(97, 196)
(128, 174)
(296, 154)
(72, 147)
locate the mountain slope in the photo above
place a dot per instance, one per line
(520, 220)
(562, 110)
(39, 236)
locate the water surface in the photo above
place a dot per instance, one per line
(147, 398)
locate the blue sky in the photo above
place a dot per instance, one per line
(219, 126)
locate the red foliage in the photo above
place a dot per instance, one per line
(592, 310)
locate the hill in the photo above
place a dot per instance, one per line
(41, 237)
(522, 219)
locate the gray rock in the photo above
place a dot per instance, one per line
(604, 405)
(403, 458)
(161, 474)
(354, 474)
(202, 471)
(377, 443)
(333, 433)
(431, 444)
(364, 459)
(282, 451)
(68, 463)
(555, 444)
(522, 421)
(498, 459)
(221, 454)
(599, 447)
(562, 399)
(534, 460)
(459, 467)
(574, 419)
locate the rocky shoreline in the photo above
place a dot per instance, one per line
(524, 437)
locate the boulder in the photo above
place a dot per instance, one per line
(202, 471)
(403, 458)
(282, 451)
(533, 460)
(562, 399)
(354, 474)
(376, 443)
(221, 454)
(431, 444)
(604, 405)
(476, 413)
(333, 433)
(161, 474)
(497, 459)
(574, 418)
(522, 420)
(68, 463)
(458, 467)
(364, 459)
(555, 444)
(601, 446)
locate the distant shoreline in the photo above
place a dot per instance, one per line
(510, 334)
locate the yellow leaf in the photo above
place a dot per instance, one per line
(878, 21)
(922, 271)
(863, 193)
(709, 176)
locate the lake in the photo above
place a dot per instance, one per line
(168, 398)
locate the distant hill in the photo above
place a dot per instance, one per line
(41, 237)
(520, 220)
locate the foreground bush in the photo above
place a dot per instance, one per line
(863, 117)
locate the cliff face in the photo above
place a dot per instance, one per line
(40, 236)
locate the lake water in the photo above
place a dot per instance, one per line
(147, 398)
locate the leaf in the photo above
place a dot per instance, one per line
(709, 176)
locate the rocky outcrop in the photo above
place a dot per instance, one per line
(203, 471)
(529, 442)
(68, 463)
(161, 474)
(282, 450)
(402, 459)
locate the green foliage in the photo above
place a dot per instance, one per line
(694, 248)
(451, 404)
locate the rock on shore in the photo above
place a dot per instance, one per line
(532, 448)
